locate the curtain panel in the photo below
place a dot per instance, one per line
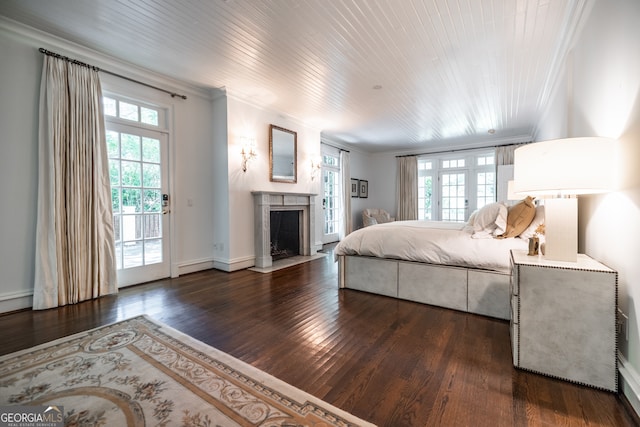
(407, 188)
(75, 250)
(505, 153)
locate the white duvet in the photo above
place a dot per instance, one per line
(432, 242)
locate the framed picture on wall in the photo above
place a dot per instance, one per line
(364, 189)
(354, 187)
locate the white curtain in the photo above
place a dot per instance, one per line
(75, 251)
(504, 153)
(345, 172)
(407, 188)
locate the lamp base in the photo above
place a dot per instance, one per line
(561, 229)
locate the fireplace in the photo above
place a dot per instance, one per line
(301, 205)
(285, 234)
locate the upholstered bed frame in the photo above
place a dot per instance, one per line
(466, 289)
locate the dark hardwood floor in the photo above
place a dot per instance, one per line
(391, 362)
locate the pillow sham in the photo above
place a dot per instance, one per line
(472, 218)
(490, 220)
(538, 219)
(519, 218)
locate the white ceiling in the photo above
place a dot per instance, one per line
(383, 74)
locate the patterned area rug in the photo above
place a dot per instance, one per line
(140, 372)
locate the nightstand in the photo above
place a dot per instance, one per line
(563, 319)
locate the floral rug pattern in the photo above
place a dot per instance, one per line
(139, 372)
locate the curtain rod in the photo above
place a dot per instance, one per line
(93, 67)
(337, 148)
(462, 149)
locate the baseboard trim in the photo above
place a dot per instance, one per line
(234, 264)
(195, 265)
(14, 301)
(629, 384)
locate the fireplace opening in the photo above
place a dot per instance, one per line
(285, 234)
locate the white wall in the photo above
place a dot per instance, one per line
(190, 145)
(602, 84)
(245, 120)
(379, 169)
(220, 184)
(19, 92)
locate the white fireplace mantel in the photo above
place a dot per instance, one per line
(266, 201)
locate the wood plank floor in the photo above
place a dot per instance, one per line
(391, 362)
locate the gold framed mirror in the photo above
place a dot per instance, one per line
(283, 154)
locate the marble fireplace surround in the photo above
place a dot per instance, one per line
(266, 201)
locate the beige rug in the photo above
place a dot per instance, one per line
(140, 372)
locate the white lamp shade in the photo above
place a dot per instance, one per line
(511, 194)
(563, 167)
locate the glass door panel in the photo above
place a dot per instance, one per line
(454, 196)
(138, 174)
(331, 205)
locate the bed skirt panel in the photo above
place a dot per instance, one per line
(366, 274)
(465, 289)
(489, 294)
(431, 284)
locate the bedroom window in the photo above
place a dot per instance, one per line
(425, 190)
(118, 108)
(331, 195)
(451, 186)
(454, 200)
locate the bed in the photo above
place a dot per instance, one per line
(462, 266)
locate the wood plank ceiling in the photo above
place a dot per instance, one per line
(382, 74)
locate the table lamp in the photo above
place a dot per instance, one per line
(558, 171)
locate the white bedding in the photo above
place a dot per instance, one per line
(432, 242)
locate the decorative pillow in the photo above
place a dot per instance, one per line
(488, 219)
(368, 220)
(380, 218)
(538, 219)
(519, 218)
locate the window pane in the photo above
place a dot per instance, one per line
(132, 252)
(151, 150)
(131, 174)
(152, 226)
(130, 147)
(149, 116)
(116, 227)
(152, 251)
(131, 200)
(152, 202)
(150, 175)
(114, 172)
(113, 144)
(109, 106)
(115, 200)
(128, 111)
(119, 256)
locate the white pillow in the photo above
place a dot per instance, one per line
(490, 220)
(472, 218)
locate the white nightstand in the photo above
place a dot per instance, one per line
(563, 319)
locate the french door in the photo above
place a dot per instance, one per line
(453, 195)
(140, 202)
(331, 205)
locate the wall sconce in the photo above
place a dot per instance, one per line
(248, 151)
(316, 165)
